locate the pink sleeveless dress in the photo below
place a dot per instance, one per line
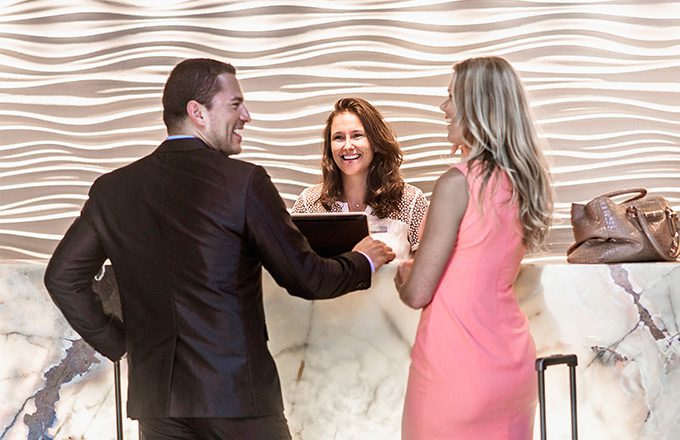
(472, 366)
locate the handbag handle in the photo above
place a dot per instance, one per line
(674, 251)
(641, 192)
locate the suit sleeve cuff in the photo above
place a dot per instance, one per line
(369, 261)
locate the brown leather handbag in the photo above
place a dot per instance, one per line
(641, 228)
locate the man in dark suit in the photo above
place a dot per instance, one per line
(187, 230)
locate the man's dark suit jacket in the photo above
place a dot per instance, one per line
(187, 231)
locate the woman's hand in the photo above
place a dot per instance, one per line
(403, 273)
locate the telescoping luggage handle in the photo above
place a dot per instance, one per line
(541, 364)
(119, 403)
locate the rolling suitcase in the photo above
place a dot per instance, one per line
(541, 364)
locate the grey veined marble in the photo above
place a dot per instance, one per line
(344, 362)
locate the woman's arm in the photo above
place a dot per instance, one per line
(417, 216)
(416, 280)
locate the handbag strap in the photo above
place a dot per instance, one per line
(641, 192)
(673, 253)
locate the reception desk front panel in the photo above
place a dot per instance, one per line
(344, 362)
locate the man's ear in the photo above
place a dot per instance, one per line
(196, 113)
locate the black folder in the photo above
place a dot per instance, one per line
(332, 233)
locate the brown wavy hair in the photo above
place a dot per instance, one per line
(384, 181)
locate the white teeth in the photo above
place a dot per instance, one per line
(350, 156)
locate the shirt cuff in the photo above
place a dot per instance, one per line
(369, 261)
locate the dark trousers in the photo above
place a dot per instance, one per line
(198, 428)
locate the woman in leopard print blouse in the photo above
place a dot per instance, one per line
(360, 168)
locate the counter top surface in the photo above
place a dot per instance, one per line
(344, 362)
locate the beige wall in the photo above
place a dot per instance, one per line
(80, 86)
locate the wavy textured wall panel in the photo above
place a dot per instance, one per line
(80, 85)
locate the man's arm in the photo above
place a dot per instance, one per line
(68, 279)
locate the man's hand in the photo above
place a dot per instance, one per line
(376, 250)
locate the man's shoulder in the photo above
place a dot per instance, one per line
(206, 159)
(121, 172)
(247, 166)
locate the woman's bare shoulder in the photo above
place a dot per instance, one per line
(453, 176)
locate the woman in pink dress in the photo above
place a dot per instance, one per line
(472, 366)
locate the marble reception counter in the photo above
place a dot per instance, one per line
(344, 362)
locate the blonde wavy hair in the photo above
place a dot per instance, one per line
(495, 121)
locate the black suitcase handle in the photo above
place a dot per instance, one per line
(119, 403)
(541, 365)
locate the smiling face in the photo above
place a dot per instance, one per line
(350, 147)
(225, 117)
(454, 135)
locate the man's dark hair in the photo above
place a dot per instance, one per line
(193, 79)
